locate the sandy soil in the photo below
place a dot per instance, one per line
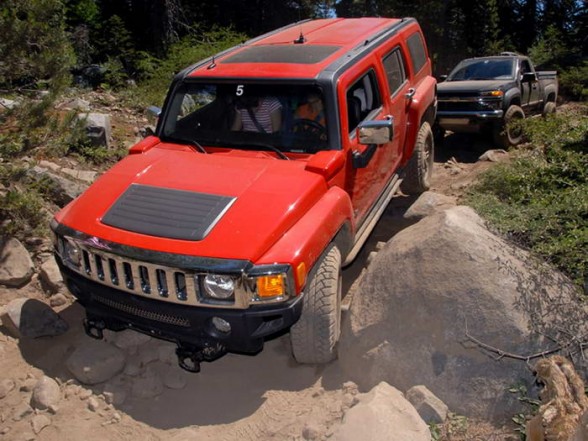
(264, 397)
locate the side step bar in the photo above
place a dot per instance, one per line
(373, 218)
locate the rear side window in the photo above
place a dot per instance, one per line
(395, 71)
(416, 47)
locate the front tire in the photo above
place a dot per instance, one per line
(417, 176)
(549, 108)
(315, 336)
(510, 132)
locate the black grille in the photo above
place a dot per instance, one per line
(165, 212)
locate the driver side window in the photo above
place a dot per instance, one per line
(362, 98)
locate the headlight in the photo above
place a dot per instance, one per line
(70, 252)
(493, 93)
(219, 287)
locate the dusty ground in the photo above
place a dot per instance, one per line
(264, 397)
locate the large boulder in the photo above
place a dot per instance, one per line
(95, 362)
(441, 301)
(16, 266)
(31, 318)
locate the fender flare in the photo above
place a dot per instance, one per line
(304, 242)
(419, 107)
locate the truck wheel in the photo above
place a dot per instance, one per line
(509, 133)
(417, 176)
(314, 337)
(549, 108)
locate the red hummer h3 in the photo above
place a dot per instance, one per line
(270, 165)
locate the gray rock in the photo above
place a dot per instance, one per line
(50, 165)
(16, 266)
(311, 432)
(98, 128)
(50, 275)
(95, 362)
(82, 175)
(8, 104)
(32, 318)
(46, 393)
(436, 285)
(61, 190)
(39, 422)
(430, 408)
(93, 404)
(427, 204)
(494, 155)
(382, 414)
(128, 338)
(175, 378)
(22, 410)
(77, 104)
(148, 385)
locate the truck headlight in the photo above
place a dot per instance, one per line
(69, 251)
(218, 287)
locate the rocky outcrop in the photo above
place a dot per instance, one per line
(431, 409)
(439, 297)
(95, 362)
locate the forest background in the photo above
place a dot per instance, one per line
(47, 44)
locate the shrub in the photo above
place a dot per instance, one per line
(540, 200)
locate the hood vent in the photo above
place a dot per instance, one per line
(164, 212)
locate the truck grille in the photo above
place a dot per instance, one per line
(154, 281)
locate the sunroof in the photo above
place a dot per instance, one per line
(293, 54)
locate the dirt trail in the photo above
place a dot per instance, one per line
(264, 397)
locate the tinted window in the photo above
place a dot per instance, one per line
(362, 98)
(416, 46)
(395, 72)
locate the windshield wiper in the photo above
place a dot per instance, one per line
(252, 145)
(192, 142)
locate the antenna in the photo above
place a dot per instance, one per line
(212, 64)
(300, 39)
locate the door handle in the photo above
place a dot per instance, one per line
(411, 92)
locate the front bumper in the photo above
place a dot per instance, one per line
(467, 120)
(185, 325)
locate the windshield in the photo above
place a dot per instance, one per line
(289, 117)
(483, 69)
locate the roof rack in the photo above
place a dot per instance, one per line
(509, 54)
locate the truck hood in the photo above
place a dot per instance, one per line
(175, 200)
(449, 88)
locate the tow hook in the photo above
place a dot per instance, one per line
(94, 328)
(189, 357)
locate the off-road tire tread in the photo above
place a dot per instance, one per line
(550, 108)
(415, 180)
(314, 337)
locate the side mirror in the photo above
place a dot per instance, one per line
(375, 132)
(442, 78)
(529, 77)
(153, 113)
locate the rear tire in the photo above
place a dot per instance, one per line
(509, 133)
(549, 108)
(315, 336)
(418, 172)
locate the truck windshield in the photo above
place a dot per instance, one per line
(483, 69)
(289, 117)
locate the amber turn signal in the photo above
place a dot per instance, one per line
(271, 286)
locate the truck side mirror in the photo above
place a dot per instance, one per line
(442, 78)
(529, 77)
(375, 132)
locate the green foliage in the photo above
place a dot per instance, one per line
(182, 54)
(573, 82)
(21, 207)
(34, 45)
(540, 200)
(520, 419)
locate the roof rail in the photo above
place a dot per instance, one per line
(509, 54)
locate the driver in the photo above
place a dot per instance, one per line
(312, 109)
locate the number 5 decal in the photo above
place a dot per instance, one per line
(239, 90)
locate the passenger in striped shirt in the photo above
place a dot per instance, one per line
(264, 115)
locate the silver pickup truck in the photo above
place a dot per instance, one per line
(487, 93)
